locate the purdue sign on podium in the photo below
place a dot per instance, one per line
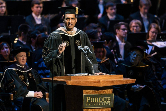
(98, 100)
(90, 93)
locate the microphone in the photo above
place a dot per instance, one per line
(81, 49)
(88, 49)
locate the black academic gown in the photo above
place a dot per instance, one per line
(106, 66)
(4, 63)
(57, 64)
(25, 79)
(150, 94)
(72, 55)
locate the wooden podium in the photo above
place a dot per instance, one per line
(77, 86)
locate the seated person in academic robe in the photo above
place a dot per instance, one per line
(6, 58)
(150, 60)
(35, 20)
(146, 93)
(135, 26)
(143, 15)
(25, 83)
(105, 64)
(111, 15)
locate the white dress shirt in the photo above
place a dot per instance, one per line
(37, 18)
(121, 47)
(30, 94)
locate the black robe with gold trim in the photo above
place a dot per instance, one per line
(24, 79)
(71, 61)
(77, 62)
(144, 76)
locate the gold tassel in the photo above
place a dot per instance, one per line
(93, 47)
(29, 54)
(76, 10)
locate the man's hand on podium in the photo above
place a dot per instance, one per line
(100, 73)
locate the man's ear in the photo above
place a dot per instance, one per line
(139, 7)
(63, 17)
(106, 10)
(15, 58)
(76, 19)
(117, 30)
(32, 9)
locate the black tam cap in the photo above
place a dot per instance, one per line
(137, 48)
(70, 10)
(98, 44)
(19, 49)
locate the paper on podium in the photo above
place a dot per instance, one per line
(160, 44)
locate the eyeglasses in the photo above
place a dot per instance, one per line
(154, 32)
(112, 8)
(135, 26)
(2, 6)
(124, 29)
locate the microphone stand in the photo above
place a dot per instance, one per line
(84, 50)
(52, 91)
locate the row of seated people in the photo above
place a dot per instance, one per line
(108, 51)
(136, 65)
(35, 43)
(39, 22)
(146, 80)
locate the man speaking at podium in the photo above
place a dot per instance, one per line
(61, 53)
